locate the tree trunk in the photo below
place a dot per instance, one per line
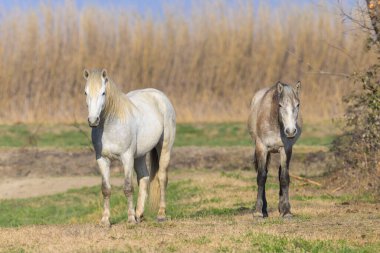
(374, 15)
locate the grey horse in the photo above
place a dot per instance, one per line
(274, 124)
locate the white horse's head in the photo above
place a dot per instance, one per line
(95, 91)
(288, 110)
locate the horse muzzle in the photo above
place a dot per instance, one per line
(290, 133)
(93, 121)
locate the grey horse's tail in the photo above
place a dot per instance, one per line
(154, 188)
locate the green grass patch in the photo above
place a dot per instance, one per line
(66, 136)
(85, 205)
(272, 243)
(203, 134)
(212, 134)
(71, 206)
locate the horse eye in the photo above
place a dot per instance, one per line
(85, 93)
(104, 94)
(298, 105)
(280, 105)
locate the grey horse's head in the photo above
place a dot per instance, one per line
(288, 107)
(95, 91)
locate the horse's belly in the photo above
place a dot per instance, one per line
(148, 138)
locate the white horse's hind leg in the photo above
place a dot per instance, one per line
(104, 166)
(127, 160)
(143, 180)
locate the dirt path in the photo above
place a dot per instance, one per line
(32, 172)
(51, 162)
(11, 188)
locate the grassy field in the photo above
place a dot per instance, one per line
(208, 217)
(209, 210)
(206, 134)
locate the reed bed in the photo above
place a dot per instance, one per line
(209, 60)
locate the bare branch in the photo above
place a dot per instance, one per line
(321, 72)
(350, 17)
(314, 70)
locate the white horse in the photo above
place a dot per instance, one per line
(131, 127)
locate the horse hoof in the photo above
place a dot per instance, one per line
(139, 219)
(105, 223)
(258, 215)
(132, 220)
(287, 216)
(161, 218)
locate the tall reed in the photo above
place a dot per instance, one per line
(209, 60)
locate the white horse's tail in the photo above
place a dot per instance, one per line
(154, 188)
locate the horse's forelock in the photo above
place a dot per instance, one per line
(94, 81)
(287, 93)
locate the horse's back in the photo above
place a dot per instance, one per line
(254, 109)
(157, 104)
(152, 97)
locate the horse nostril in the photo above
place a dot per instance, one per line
(92, 121)
(292, 132)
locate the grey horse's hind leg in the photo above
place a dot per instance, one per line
(262, 158)
(283, 175)
(104, 167)
(143, 181)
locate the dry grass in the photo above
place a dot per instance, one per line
(322, 223)
(209, 60)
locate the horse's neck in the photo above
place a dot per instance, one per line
(118, 105)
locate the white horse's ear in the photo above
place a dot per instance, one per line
(298, 87)
(104, 74)
(86, 74)
(280, 87)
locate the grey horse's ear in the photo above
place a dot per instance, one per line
(298, 87)
(280, 87)
(104, 74)
(86, 74)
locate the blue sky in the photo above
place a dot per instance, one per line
(140, 5)
(154, 7)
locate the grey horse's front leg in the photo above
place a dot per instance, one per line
(283, 176)
(128, 160)
(261, 159)
(104, 166)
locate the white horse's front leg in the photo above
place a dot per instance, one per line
(128, 160)
(104, 166)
